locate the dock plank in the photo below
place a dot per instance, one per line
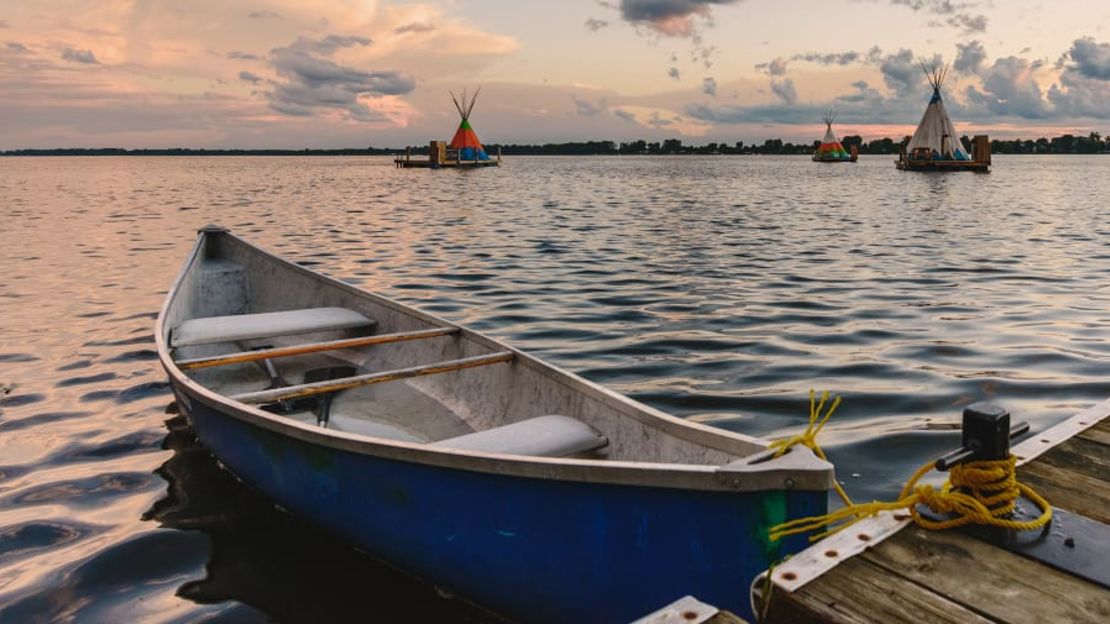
(997, 583)
(863, 593)
(951, 576)
(1079, 455)
(1069, 489)
(1099, 433)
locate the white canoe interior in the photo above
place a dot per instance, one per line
(249, 326)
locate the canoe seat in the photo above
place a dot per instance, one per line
(266, 325)
(362, 426)
(544, 436)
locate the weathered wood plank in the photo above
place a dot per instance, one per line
(1069, 489)
(1083, 456)
(1100, 433)
(1103, 425)
(726, 617)
(860, 592)
(994, 582)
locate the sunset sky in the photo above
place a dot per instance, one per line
(351, 73)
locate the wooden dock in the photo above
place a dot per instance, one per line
(916, 575)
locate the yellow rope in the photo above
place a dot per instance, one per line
(982, 492)
(808, 438)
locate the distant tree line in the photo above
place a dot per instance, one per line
(665, 147)
(1093, 143)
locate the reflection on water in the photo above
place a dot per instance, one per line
(719, 289)
(266, 558)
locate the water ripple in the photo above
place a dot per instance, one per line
(718, 289)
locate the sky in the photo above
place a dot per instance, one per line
(352, 73)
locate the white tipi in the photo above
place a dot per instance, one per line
(935, 134)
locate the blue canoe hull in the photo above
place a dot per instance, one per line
(536, 550)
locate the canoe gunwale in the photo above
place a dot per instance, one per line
(799, 470)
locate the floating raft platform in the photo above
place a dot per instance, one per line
(886, 569)
(440, 157)
(980, 159)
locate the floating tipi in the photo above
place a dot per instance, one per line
(830, 149)
(465, 140)
(935, 138)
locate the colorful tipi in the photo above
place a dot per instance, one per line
(465, 140)
(936, 138)
(830, 149)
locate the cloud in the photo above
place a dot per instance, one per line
(250, 77)
(1091, 59)
(313, 83)
(902, 71)
(669, 18)
(79, 56)
(672, 18)
(1010, 88)
(775, 113)
(864, 94)
(1084, 88)
(1077, 96)
(589, 109)
(662, 119)
(968, 23)
(330, 44)
(674, 73)
(655, 120)
(957, 17)
(242, 56)
(785, 90)
(969, 57)
(264, 15)
(704, 54)
(709, 86)
(625, 115)
(775, 67)
(930, 6)
(828, 58)
(417, 27)
(16, 47)
(593, 24)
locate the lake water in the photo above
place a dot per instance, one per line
(720, 289)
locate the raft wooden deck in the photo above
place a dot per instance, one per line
(418, 163)
(949, 576)
(943, 165)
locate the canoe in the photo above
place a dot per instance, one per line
(501, 479)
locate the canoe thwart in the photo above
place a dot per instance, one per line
(323, 387)
(311, 347)
(238, 327)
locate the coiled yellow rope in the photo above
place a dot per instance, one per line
(982, 492)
